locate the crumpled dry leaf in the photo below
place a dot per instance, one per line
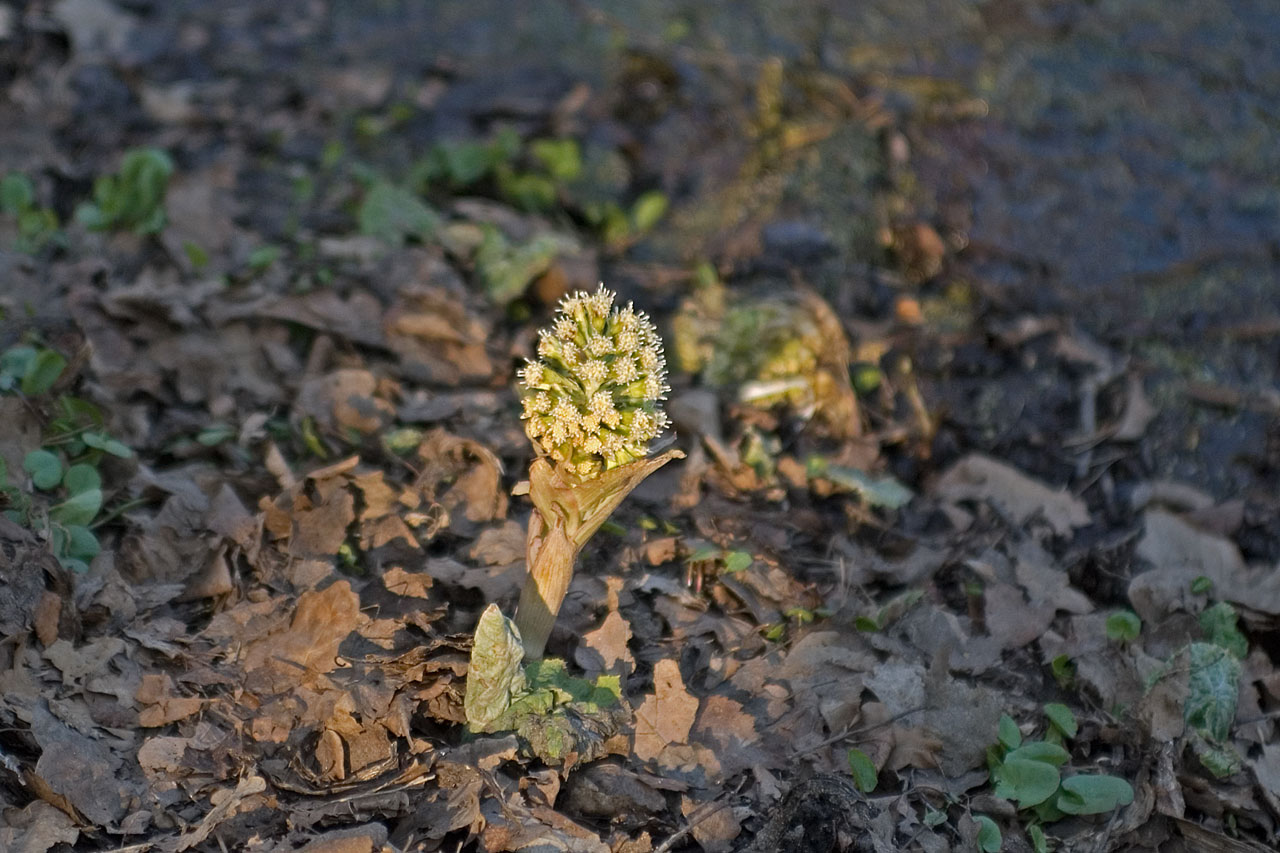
(161, 705)
(979, 477)
(37, 828)
(605, 648)
(1179, 553)
(346, 399)
(667, 716)
(321, 621)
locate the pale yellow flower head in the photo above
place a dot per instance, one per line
(591, 399)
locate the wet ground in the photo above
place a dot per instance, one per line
(1114, 162)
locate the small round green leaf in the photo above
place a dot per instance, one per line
(1094, 794)
(737, 561)
(989, 838)
(81, 478)
(864, 772)
(1061, 718)
(81, 543)
(43, 371)
(44, 467)
(648, 209)
(1123, 626)
(78, 509)
(1028, 782)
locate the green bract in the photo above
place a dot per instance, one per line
(591, 397)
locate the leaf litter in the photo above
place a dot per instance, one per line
(863, 550)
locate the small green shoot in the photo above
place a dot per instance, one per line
(1064, 670)
(29, 369)
(1029, 773)
(395, 214)
(863, 770)
(1123, 626)
(133, 198)
(1062, 723)
(989, 838)
(37, 226)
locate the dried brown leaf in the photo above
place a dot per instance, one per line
(981, 478)
(667, 716)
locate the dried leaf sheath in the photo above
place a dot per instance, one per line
(566, 515)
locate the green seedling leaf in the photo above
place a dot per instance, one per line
(866, 624)
(79, 508)
(648, 210)
(1038, 842)
(263, 256)
(394, 214)
(506, 270)
(1123, 627)
(215, 434)
(527, 190)
(561, 158)
(876, 491)
(989, 838)
(44, 467)
(737, 561)
(1007, 732)
(1201, 585)
(1219, 625)
(107, 444)
(81, 543)
(14, 363)
(1039, 750)
(133, 198)
(43, 371)
(1027, 782)
(1220, 760)
(196, 255)
(1061, 718)
(17, 193)
(403, 440)
(703, 553)
(864, 772)
(934, 817)
(1064, 671)
(495, 676)
(465, 163)
(81, 478)
(1093, 794)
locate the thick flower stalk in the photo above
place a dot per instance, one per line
(591, 408)
(591, 399)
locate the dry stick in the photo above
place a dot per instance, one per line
(694, 819)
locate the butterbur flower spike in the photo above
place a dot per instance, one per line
(591, 399)
(592, 405)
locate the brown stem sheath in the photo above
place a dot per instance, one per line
(551, 555)
(565, 515)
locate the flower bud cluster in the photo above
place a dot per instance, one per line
(591, 397)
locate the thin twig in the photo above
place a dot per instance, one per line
(694, 819)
